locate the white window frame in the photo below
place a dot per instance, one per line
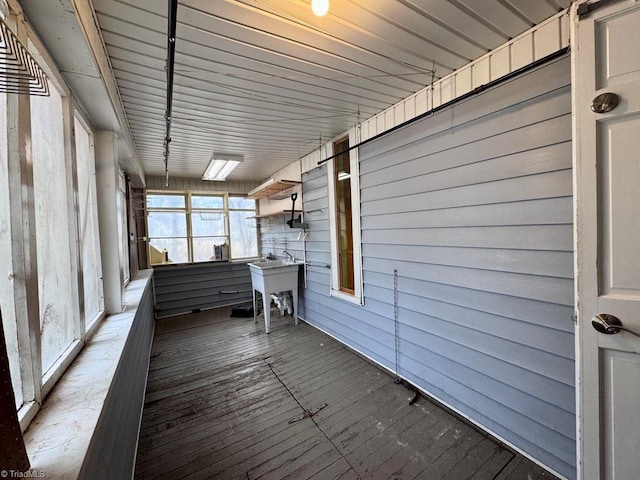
(188, 211)
(357, 297)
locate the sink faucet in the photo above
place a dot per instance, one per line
(289, 256)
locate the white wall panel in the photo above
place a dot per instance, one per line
(547, 39)
(436, 94)
(448, 88)
(463, 82)
(389, 118)
(481, 72)
(522, 52)
(380, 124)
(399, 113)
(500, 62)
(422, 102)
(410, 106)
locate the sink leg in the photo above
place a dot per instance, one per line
(294, 294)
(255, 309)
(266, 301)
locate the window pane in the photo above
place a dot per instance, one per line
(208, 227)
(207, 201)
(6, 284)
(88, 217)
(204, 249)
(167, 224)
(344, 226)
(156, 200)
(207, 224)
(244, 235)
(176, 250)
(242, 203)
(58, 309)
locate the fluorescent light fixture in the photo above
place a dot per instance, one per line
(320, 7)
(221, 166)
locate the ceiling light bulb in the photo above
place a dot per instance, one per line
(320, 7)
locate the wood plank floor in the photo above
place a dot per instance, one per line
(225, 400)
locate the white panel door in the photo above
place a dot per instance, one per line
(607, 155)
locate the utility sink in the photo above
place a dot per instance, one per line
(265, 264)
(271, 276)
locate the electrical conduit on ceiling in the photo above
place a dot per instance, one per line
(171, 54)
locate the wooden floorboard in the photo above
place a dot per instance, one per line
(226, 401)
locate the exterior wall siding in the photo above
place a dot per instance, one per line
(473, 208)
(182, 289)
(113, 448)
(535, 44)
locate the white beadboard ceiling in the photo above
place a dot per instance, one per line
(268, 80)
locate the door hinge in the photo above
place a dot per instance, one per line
(586, 8)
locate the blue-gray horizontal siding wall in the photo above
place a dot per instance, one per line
(112, 452)
(182, 289)
(473, 208)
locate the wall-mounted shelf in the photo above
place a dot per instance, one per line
(275, 214)
(273, 189)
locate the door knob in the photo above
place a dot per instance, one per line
(609, 324)
(605, 102)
